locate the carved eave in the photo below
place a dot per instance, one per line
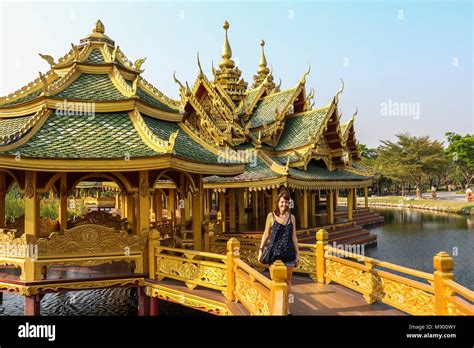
(148, 136)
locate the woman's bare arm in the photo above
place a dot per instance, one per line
(295, 238)
(266, 233)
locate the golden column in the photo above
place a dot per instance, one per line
(170, 208)
(366, 196)
(198, 210)
(3, 192)
(232, 210)
(330, 206)
(241, 206)
(354, 198)
(130, 209)
(31, 198)
(63, 202)
(143, 218)
(350, 202)
(222, 210)
(304, 200)
(158, 204)
(255, 205)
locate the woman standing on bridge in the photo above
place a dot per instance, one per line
(280, 233)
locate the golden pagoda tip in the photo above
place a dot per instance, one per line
(99, 27)
(226, 25)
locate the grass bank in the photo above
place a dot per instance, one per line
(465, 208)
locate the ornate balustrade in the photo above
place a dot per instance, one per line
(428, 294)
(84, 245)
(227, 273)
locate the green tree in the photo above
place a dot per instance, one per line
(461, 150)
(411, 159)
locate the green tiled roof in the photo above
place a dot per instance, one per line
(264, 111)
(184, 145)
(9, 126)
(253, 172)
(296, 130)
(146, 97)
(106, 135)
(315, 172)
(283, 159)
(93, 87)
(95, 57)
(250, 98)
(24, 99)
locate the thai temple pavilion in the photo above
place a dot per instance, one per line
(222, 152)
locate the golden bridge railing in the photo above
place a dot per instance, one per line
(227, 273)
(430, 294)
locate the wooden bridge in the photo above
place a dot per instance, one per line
(229, 280)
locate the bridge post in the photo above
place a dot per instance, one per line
(279, 292)
(233, 251)
(443, 264)
(321, 242)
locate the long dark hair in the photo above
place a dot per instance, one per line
(286, 196)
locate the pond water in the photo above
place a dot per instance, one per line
(412, 237)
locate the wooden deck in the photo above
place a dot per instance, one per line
(311, 298)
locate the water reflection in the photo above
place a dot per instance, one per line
(412, 237)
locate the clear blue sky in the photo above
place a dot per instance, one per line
(396, 51)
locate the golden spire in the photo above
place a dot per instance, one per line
(263, 61)
(226, 62)
(99, 27)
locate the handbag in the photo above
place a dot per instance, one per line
(265, 257)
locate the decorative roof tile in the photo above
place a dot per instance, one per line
(146, 97)
(10, 126)
(92, 87)
(104, 135)
(315, 172)
(95, 57)
(265, 110)
(24, 99)
(297, 128)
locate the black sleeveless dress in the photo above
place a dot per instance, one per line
(281, 238)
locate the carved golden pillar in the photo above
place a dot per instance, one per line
(181, 197)
(3, 192)
(171, 207)
(62, 217)
(255, 205)
(274, 197)
(300, 207)
(130, 209)
(143, 211)
(350, 202)
(354, 198)
(187, 208)
(241, 206)
(330, 206)
(222, 210)
(304, 201)
(31, 198)
(198, 210)
(158, 196)
(336, 196)
(232, 210)
(312, 208)
(123, 205)
(366, 196)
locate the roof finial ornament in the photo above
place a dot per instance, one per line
(99, 27)
(44, 82)
(199, 65)
(138, 63)
(303, 78)
(336, 97)
(47, 58)
(226, 62)
(355, 113)
(177, 81)
(263, 61)
(75, 49)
